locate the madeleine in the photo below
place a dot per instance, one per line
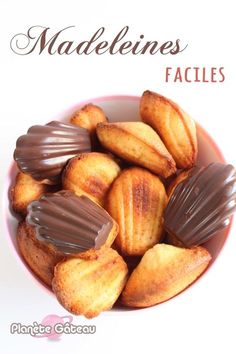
(175, 127)
(137, 200)
(91, 282)
(137, 143)
(25, 190)
(163, 272)
(88, 117)
(90, 174)
(41, 257)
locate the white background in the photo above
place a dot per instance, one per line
(35, 88)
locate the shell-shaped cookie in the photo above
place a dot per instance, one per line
(90, 174)
(72, 224)
(163, 272)
(202, 204)
(89, 285)
(45, 149)
(175, 127)
(138, 143)
(88, 117)
(136, 201)
(40, 256)
(26, 190)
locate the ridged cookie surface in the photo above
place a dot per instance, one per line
(138, 143)
(163, 272)
(175, 127)
(136, 201)
(88, 117)
(40, 256)
(91, 175)
(25, 190)
(90, 283)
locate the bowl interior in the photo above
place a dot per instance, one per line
(117, 108)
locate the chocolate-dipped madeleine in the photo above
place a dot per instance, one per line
(201, 205)
(72, 224)
(45, 149)
(179, 178)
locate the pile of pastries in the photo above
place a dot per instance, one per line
(117, 211)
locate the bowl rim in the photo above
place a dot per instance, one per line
(7, 183)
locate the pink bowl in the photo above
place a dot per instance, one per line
(117, 108)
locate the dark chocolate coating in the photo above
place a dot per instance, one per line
(45, 149)
(202, 204)
(73, 224)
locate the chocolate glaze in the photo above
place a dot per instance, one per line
(202, 204)
(45, 149)
(73, 224)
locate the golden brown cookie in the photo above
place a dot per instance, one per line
(25, 190)
(136, 201)
(163, 272)
(91, 282)
(138, 143)
(88, 117)
(40, 256)
(91, 175)
(175, 127)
